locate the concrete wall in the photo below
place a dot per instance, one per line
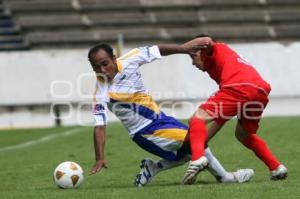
(64, 76)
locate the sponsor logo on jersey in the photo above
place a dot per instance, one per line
(122, 78)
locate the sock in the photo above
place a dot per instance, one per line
(198, 136)
(261, 150)
(163, 164)
(216, 169)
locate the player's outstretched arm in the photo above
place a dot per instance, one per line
(170, 49)
(199, 43)
(99, 143)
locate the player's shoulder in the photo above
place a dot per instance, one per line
(220, 43)
(143, 50)
(130, 54)
(222, 47)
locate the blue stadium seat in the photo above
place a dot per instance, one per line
(13, 47)
(10, 38)
(4, 16)
(9, 31)
(6, 23)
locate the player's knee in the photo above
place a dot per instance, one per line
(240, 136)
(202, 115)
(196, 116)
(195, 119)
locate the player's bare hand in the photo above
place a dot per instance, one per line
(99, 165)
(197, 44)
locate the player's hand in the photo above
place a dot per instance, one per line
(98, 166)
(196, 44)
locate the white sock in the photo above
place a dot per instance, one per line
(216, 169)
(163, 164)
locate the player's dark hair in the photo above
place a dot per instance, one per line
(107, 48)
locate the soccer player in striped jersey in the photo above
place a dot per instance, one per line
(242, 93)
(120, 89)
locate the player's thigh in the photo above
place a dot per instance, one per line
(220, 107)
(251, 114)
(164, 138)
(165, 142)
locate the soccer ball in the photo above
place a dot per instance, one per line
(68, 175)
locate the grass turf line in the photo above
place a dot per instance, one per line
(27, 172)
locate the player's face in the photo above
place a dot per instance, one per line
(103, 64)
(197, 61)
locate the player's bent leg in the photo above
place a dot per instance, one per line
(215, 167)
(164, 138)
(197, 137)
(240, 132)
(218, 171)
(150, 168)
(148, 171)
(164, 164)
(261, 150)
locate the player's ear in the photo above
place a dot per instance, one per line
(114, 58)
(198, 52)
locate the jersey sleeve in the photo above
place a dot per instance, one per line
(141, 55)
(100, 108)
(100, 114)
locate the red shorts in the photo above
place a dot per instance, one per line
(245, 102)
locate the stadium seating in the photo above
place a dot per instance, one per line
(10, 38)
(46, 23)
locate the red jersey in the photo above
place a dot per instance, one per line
(227, 68)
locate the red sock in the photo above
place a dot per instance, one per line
(198, 136)
(261, 150)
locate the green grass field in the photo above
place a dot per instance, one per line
(26, 172)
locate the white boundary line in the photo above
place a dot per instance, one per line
(41, 140)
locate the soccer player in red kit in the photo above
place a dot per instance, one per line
(242, 93)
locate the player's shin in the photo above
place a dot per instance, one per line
(198, 136)
(261, 150)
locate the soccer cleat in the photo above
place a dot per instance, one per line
(193, 169)
(243, 175)
(148, 171)
(280, 173)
